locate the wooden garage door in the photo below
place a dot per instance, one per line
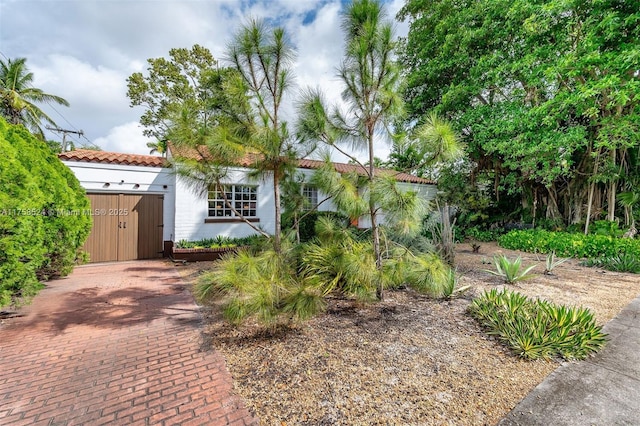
(125, 227)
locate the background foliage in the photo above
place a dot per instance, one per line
(569, 245)
(545, 92)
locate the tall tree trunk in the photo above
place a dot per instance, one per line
(375, 231)
(553, 212)
(592, 188)
(611, 195)
(277, 243)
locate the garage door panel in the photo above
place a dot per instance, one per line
(102, 243)
(149, 243)
(125, 227)
(128, 227)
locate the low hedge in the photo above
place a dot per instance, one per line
(569, 245)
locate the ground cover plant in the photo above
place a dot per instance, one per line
(535, 328)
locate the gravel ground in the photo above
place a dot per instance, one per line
(408, 360)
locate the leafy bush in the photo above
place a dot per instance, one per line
(569, 245)
(510, 270)
(42, 220)
(476, 233)
(220, 242)
(606, 227)
(535, 329)
(623, 262)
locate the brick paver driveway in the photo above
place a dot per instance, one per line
(114, 344)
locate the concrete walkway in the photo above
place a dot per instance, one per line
(115, 344)
(603, 390)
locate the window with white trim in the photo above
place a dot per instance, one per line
(310, 193)
(243, 198)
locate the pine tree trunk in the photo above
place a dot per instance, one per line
(277, 244)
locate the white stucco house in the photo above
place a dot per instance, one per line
(140, 207)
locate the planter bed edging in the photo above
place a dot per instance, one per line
(201, 254)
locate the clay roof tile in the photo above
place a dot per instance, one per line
(104, 157)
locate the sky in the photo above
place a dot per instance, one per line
(84, 51)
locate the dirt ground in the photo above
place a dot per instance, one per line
(409, 360)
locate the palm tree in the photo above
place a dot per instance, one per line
(160, 147)
(18, 97)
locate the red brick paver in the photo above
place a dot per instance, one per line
(114, 344)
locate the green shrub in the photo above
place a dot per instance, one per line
(340, 261)
(264, 286)
(308, 223)
(535, 329)
(42, 220)
(606, 227)
(476, 233)
(258, 283)
(426, 273)
(569, 245)
(509, 270)
(221, 242)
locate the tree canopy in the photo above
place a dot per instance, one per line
(18, 97)
(186, 86)
(546, 93)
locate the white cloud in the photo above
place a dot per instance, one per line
(126, 137)
(84, 50)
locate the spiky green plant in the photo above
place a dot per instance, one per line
(552, 262)
(451, 289)
(623, 262)
(509, 270)
(535, 329)
(344, 265)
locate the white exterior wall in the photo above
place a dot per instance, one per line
(185, 212)
(428, 192)
(326, 205)
(191, 211)
(122, 179)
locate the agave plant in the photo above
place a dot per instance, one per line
(552, 262)
(450, 289)
(509, 270)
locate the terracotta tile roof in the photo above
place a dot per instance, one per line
(351, 168)
(249, 159)
(90, 156)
